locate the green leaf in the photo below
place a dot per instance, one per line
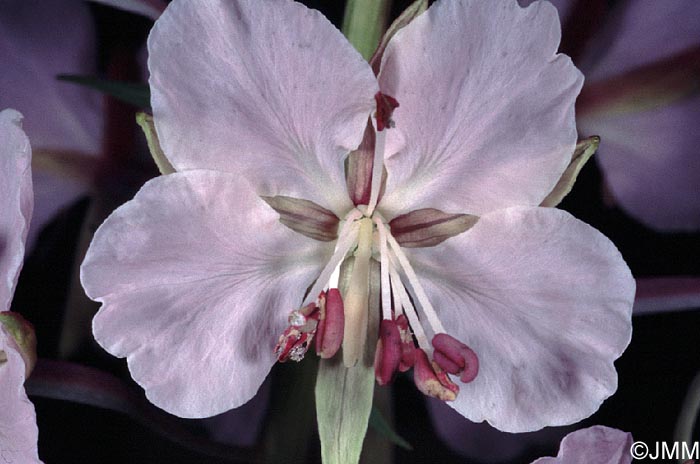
(344, 395)
(134, 93)
(381, 425)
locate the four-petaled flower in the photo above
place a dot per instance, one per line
(278, 131)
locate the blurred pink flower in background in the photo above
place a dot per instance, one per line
(63, 121)
(641, 96)
(594, 445)
(18, 430)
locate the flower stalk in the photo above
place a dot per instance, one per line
(364, 23)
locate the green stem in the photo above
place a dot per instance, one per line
(364, 23)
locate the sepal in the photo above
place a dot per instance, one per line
(305, 217)
(149, 130)
(428, 227)
(22, 332)
(583, 152)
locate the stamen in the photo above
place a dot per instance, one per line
(388, 354)
(347, 239)
(433, 381)
(331, 324)
(384, 274)
(455, 357)
(420, 294)
(410, 311)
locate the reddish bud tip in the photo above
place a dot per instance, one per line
(431, 380)
(388, 354)
(331, 324)
(385, 108)
(455, 357)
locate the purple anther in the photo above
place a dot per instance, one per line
(431, 380)
(388, 354)
(455, 357)
(331, 324)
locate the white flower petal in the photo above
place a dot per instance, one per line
(18, 430)
(271, 91)
(486, 115)
(16, 201)
(197, 277)
(545, 301)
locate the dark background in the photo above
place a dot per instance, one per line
(654, 372)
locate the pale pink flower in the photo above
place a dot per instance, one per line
(259, 99)
(40, 40)
(18, 430)
(648, 152)
(594, 445)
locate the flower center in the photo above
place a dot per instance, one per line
(364, 235)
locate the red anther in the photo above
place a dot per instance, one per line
(385, 107)
(388, 354)
(455, 357)
(331, 324)
(293, 344)
(431, 380)
(408, 347)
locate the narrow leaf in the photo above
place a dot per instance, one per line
(149, 130)
(381, 425)
(583, 152)
(134, 93)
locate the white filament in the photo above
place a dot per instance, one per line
(347, 239)
(410, 311)
(420, 294)
(384, 274)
